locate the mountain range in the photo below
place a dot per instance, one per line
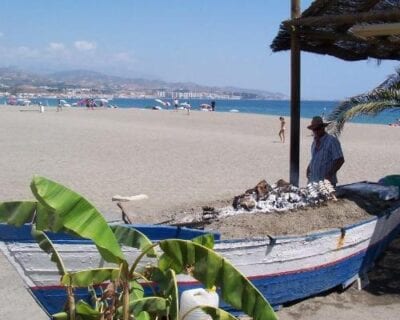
(17, 79)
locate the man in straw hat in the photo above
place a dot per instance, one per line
(326, 154)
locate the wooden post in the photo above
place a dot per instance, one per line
(295, 98)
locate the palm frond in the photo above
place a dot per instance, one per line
(384, 97)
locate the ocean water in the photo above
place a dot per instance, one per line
(308, 109)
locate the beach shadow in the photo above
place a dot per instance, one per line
(384, 278)
(371, 204)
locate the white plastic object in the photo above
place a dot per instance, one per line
(197, 297)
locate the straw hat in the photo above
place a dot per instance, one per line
(317, 122)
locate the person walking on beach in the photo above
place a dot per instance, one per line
(59, 106)
(188, 107)
(176, 104)
(282, 130)
(326, 154)
(213, 105)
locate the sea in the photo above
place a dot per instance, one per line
(308, 109)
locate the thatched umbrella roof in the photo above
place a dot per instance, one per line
(347, 29)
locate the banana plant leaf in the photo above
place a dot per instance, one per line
(47, 246)
(60, 316)
(211, 269)
(17, 213)
(216, 313)
(206, 240)
(131, 237)
(151, 305)
(78, 216)
(86, 312)
(168, 287)
(90, 277)
(172, 294)
(136, 290)
(143, 316)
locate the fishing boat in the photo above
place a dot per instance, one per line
(283, 268)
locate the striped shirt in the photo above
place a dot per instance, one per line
(322, 159)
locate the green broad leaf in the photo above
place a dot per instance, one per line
(131, 237)
(90, 277)
(85, 311)
(17, 213)
(46, 219)
(143, 316)
(136, 290)
(217, 314)
(152, 305)
(47, 246)
(165, 262)
(206, 240)
(173, 294)
(211, 269)
(168, 288)
(60, 316)
(78, 216)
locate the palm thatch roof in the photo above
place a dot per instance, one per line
(347, 29)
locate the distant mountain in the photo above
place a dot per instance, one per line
(84, 77)
(14, 77)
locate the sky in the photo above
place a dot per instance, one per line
(209, 42)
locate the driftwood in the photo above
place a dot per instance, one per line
(120, 199)
(125, 216)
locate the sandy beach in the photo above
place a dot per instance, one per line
(181, 162)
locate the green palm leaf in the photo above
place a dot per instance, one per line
(385, 97)
(211, 269)
(78, 216)
(90, 277)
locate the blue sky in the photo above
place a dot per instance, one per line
(210, 42)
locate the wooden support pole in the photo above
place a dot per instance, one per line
(295, 99)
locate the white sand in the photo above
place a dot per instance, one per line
(179, 161)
